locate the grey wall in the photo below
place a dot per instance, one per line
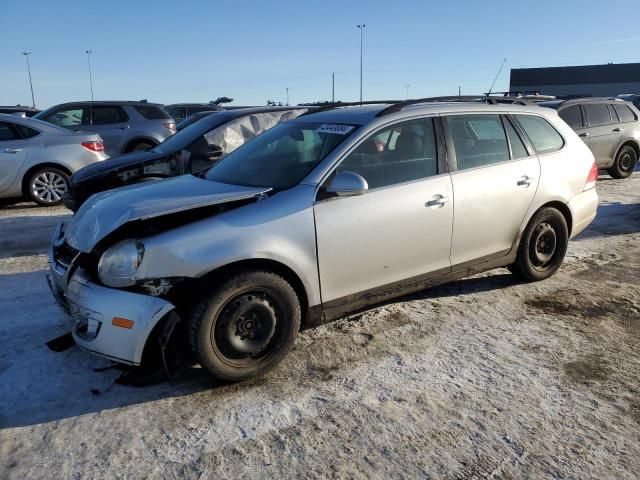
(597, 90)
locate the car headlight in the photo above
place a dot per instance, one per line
(119, 264)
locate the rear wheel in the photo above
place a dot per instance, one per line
(246, 326)
(543, 246)
(139, 146)
(625, 163)
(47, 186)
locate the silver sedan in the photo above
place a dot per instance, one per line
(37, 159)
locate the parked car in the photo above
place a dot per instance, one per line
(609, 127)
(191, 150)
(631, 97)
(36, 158)
(19, 110)
(327, 213)
(124, 126)
(193, 119)
(180, 111)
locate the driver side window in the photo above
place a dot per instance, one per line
(401, 153)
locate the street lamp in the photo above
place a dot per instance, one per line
(361, 27)
(89, 52)
(407, 85)
(33, 100)
(287, 97)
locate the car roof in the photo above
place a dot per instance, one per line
(108, 102)
(361, 114)
(574, 101)
(228, 115)
(33, 123)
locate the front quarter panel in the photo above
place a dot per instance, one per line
(279, 228)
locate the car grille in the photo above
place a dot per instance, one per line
(64, 255)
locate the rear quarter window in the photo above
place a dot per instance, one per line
(543, 136)
(151, 112)
(625, 113)
(26, 132)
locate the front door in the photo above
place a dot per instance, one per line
(494, 182)
(604, 133)
(13, 152)
(400, 229)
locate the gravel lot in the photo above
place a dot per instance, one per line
(484, 377)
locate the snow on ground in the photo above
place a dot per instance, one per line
(485, 377)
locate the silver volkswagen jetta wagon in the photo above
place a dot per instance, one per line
(325, 214)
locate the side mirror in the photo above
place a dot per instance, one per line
(347, 184)
(213, 151)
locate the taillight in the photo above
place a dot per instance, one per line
(171, 126)
(94, 146)
(592, 178)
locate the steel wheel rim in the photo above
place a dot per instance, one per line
(48, 187)
(626, 162)
(246, 327)
(544, 245)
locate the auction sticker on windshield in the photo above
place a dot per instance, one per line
(334, 128)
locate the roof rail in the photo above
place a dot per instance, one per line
(331, 105)
(454, 98)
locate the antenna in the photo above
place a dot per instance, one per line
(496, 79)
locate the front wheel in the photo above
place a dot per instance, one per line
(246, 326)
(47, 186)
(625, 163)
(543, 246)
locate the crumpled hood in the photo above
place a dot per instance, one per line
(112, 165)
(105, 212)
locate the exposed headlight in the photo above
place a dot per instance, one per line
(118, 264)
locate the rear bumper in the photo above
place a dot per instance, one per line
(583, 208)
(93, 310)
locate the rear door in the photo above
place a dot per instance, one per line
(495, 175)
(396, 232)
(13, 152)
(111, 122)
(604, 132)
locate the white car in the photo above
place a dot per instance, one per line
(37, 158)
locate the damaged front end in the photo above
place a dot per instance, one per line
(94, 261)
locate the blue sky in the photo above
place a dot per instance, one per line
(171, 51)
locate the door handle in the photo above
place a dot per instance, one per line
(618, 129)
(124, 127)
(12, 150)
(584, 135)
(438, 201)
(525, 181)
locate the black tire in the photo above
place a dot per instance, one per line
(47, 185)
(543, 246)
(139, 147)
(625, 163)
(246, 326)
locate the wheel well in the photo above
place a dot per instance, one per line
(28, 173)
(253, 264)
(632, 144)
(133, 141)
(564, 209)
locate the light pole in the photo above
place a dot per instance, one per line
(407, 85)
(287, 96)
(361, 27)
(333, 86)
(89, 52)
(33, 100)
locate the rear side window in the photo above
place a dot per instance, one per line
(151, 112)
(26, 132)
(543, 136)
(597, 114)
(518, 150)
(572, 115)
(478, 140)
(625, 113)
(7, 132)
(176, 112)
(104, 115)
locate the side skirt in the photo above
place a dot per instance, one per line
(339, 307)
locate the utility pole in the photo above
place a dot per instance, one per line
(88, 52)
(333, 86)
(361, 27)
(407, 85)
(33, 100)
(287, 97)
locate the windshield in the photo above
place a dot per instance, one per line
(281, 157)
(186, 136)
